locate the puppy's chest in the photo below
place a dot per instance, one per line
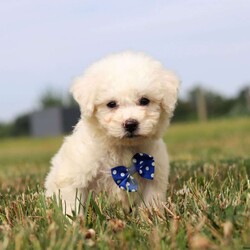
(103, 180)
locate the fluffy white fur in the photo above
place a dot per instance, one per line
(99, 141)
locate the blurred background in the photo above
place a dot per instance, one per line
(45, 44)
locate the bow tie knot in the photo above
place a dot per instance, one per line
(143, 164)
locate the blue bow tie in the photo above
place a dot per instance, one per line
(142, 163)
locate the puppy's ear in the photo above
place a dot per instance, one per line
(83, 91)
(170, 92)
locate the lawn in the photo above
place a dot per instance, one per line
(208, 203)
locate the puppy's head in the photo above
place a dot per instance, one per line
(129, 96)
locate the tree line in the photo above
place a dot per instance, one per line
(200, 104)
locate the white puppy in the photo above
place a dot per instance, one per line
(126, 102)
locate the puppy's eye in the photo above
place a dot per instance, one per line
(144, 101)
(112, 104)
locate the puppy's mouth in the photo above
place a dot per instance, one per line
(131, 135)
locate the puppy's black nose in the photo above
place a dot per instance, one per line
(130, 125)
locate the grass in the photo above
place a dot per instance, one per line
(208, 203)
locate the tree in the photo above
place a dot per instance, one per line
(242, 102)
(21, 125)
(50, 98)
(184, 111)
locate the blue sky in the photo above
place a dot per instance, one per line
(46, 43)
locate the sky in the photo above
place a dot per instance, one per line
(45, 44)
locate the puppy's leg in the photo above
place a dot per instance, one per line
(68, 197)
(155, 191)
(72, 200)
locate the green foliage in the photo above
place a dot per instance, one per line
(51, 98)
(216, 105)
(5, 130)
(208, 202)
(20, 127)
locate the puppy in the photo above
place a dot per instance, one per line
(126, 101)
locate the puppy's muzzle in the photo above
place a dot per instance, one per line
(131, 125)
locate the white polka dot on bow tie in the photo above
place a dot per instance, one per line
(122, 174)
(141, 162)
(153, 163)
(122, 187)
(118, 181)
(114, 172)
(127, 184)
(147, 168)
(140, 171)
(152, 175)
(133, 190)
(134, 160)
(141, 154)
